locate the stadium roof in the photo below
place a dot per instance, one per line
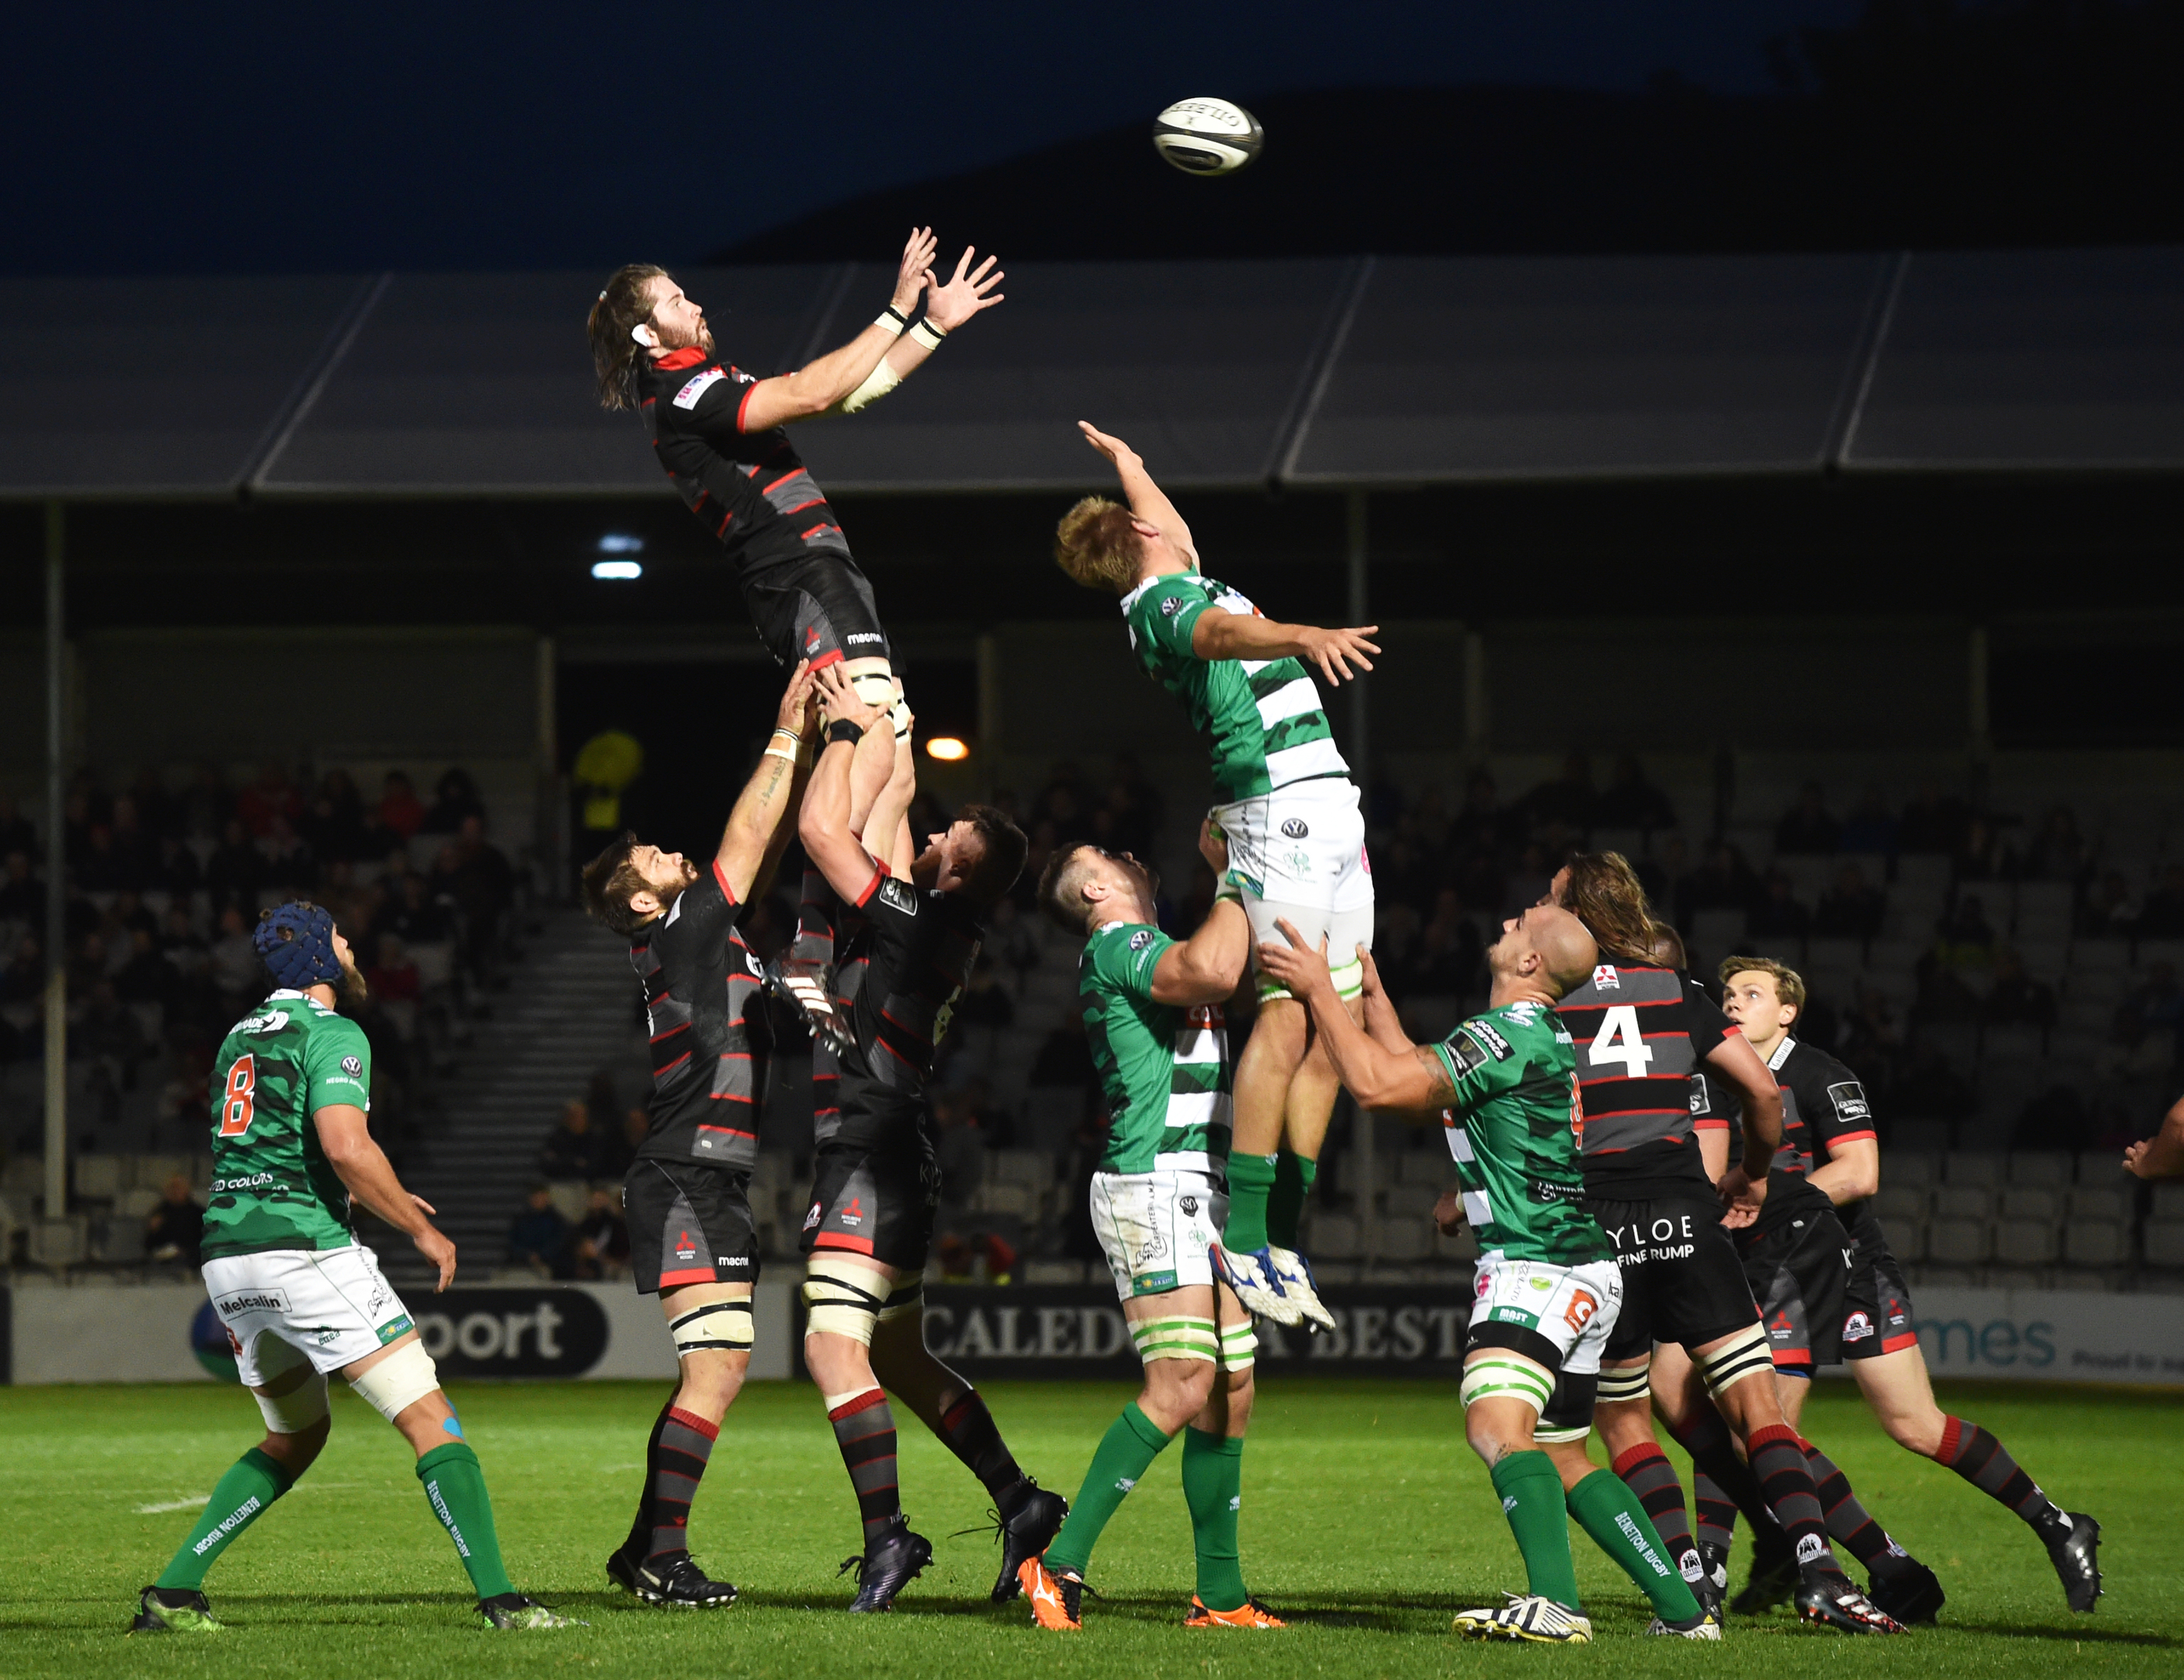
(1324, 373)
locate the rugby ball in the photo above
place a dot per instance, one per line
(1207, 136)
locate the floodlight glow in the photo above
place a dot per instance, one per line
(947, 748)
(621, 542)
(616, 571)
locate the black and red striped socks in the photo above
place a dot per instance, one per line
(864, 1429)
(1646, 1470)
(1849, 1521)
(675, 1460)
(971, 1435)
(1785, 1481)
(1984, 1462)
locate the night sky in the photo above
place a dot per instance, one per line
(258, 138)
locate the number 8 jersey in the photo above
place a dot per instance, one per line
(1640, 1033)
(272, 1185)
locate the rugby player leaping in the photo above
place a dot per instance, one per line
(718, 433)
(1295, 837)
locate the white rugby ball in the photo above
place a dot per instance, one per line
(1207, 136)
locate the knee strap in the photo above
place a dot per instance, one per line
(1744, 1355)
(1498, 1378)
(1629, 1382)
(1239, 1346)
(1348, 979)
(297, 1410)
(718, 1326)
(839, 1298)
(880, 688)
(904, 1299)
(1569, 1413)
(1178, 1338)
(397, 1381)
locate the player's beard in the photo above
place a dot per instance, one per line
(703, 338)
(352, 990)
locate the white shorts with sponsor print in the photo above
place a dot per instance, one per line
(1299, 856)
(1573, 1306)
(1158, 1230)
(332, 1306)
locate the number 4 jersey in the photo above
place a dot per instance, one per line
(272, 1185)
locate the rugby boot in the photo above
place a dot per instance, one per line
(1027, 1533)
(1292, 1275)
(808, 987)
(1906, 1591)
(174, 1609)
(1774, 1577)
(1252, 1277)
(673, 1579)
(1825, 1598)
(1525, 1617)
(2075, 1553)
(1711, 1589)
(1703, 1626)
(1250, 1614)
(513, 1611)
(890, 1564)
(1057, 1600)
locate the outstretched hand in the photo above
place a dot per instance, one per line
(916, 268)
(1121, 453)
(1741, 1196)
(1332, 651)
(794, 714)
(1300, 967)
(966, 292)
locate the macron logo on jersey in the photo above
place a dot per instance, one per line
(688, 396)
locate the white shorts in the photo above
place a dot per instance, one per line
(1573, 1307)
(332, 1306)
(1298, 853)
(1158, 1230)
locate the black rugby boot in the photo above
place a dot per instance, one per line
(888, 1565)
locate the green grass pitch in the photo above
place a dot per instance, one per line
(1366, 1521)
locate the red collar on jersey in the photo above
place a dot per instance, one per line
(676, 360)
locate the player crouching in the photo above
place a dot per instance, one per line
(1548, 1289)
(299, 1295)
(1152, 1011)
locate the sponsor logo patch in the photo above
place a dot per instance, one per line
(1700, 1102)
(353, 1067)
(1605, 978)
(1469, 1055)
(898, 893)
(1849, 1098)
(1171, 606)
(862, 636)
(1856, 1327)
(688, 396)
(1141, 938)
(1488, 1037)
(1296, 828)
(271, 1021)
(252, 1300)
(1190, 1206)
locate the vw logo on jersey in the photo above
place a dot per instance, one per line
(1295, 828)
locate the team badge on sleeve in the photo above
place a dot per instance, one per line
(1849, 1098)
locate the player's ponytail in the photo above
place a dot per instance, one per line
(1604, 893)
(620, 307)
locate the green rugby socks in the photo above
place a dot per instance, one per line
(455, 1485)
(1126, 1452)
(1531, 1494)
(253, 1482)
(1293, 1180)
(1212, 1487)
(1251, 1181)
(1606, 1509)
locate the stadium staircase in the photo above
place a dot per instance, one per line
(568, 1010)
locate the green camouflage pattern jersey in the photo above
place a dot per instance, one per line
(272, 1185)
(1264, 716)
(1164, 1067)
(1514, 1129)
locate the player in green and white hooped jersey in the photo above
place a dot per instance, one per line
(1505, 1084)
(1291, 816)
(299, 1295)
(1152, 1012)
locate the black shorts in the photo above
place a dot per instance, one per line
(689, 1223)
(1799, 1272)
(818, 608)
(1877, 1306)
(1681, 1279)
(878, 1202)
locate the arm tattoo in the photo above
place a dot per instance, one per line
(1442, 1090)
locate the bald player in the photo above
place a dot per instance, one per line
(1505, 1084)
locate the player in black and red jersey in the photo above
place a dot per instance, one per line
(1642, 1031)
(876, 1174)
(1870, 1326)
(719, 432)
(687, 1197)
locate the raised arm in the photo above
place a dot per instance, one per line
(825, 382)
(1147, 500)
(946, 308)
(1391, 1074)
(886, 823)
(1744, 1186)
(1222, 635)
(1381, 1025)
(755, 835)
(845, 784)
(1206, 968)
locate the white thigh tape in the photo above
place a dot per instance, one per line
(1632, 1382)
(839, 1298)
(297, 1410)
(724, 1326)
(906, 1298)
(1505, 1379)
(1744, 1355)
(397, 1381)
(1239, 1346)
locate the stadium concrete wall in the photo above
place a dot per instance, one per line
(151, 1333)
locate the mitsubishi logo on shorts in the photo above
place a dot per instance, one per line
(811, 636)
(684, 1248)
